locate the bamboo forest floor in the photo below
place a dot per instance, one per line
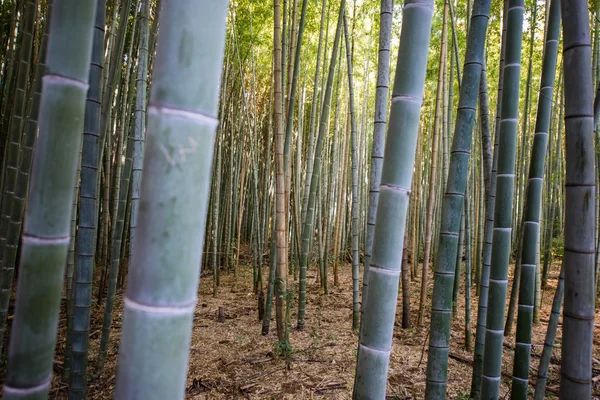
(231, 359)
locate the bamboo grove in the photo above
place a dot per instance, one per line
(433, 162)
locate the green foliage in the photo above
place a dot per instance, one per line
(558, 247)
(314, 336)
(463, 395)
(284, 351)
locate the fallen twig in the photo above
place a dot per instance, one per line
(332, 386)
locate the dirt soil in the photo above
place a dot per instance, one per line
(232, 360)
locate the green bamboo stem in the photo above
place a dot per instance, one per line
(552, 183)
(121, 188)
(414, 254)
(435, 138)
(379, 126)
(111, 36)
(313, 116)
(505, 179)
(280, 203)
(532, 210)
(153, 34)
(354, 162)
(537, 295)
(21, 186)
(270, 289)
(447, 115)
(320, 248)
(164, 269)
(106, 186)
(215, 205)
(578, 313)
(542, 375)
(516, 283)
(139, 131)
(455, 43)
(283, 17)
(459, 258)
(46, 233)
(112, 237)
(597, 136)
(69, 278)
(113, 74)
(229, 211)
(406, 273)
(485, 175)
(467, 274)
(11, 162)
(88, 195)
(397, 172)
(125, 244)
(453, 202)
(487, 249)
(307, 233)
(479, 226)
(520, 194)
(115, 258)
(295, 69)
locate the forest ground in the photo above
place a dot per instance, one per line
(231, 359)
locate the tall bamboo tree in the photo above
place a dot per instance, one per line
(11, 162)
(578, 314)
(313, 115)
(85, 246)
(15, 127)
(354, 164)
(397, 171)
(122, 189)
(453, 202)
(280, 205)
(139, 131)
(532, 212)
(291, 101)
(505, 180)
(307, 232)
(467, 273)
(113, 73)
(12, 236)
(431, 198)
(164, 270)
(379, 125)
(295, 69)
(491, 166)
(46, 233)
